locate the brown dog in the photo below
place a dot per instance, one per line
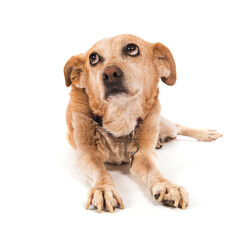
(114, 116)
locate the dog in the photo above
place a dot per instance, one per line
(114, 117)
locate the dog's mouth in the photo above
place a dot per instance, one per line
(115, 91)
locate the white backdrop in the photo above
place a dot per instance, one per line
(42, 193)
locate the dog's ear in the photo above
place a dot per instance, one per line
(73, 70)
(165, 63)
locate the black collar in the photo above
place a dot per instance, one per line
(97, 119)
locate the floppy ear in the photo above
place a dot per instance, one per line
(165, 63)
(73, 70)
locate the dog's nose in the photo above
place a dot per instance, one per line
(112, 74)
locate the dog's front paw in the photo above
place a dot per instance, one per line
(104, 197)
(170, 194)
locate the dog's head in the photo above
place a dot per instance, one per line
(121, 68)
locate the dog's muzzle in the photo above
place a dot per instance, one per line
(112, 78)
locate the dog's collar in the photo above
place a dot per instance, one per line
(97, 119)
(130, 139)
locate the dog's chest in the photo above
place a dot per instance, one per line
(121, 120)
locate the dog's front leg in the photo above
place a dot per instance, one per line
(103, 195)
(145, 167)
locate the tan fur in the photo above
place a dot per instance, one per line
(120, 114)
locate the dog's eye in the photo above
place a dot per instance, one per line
(132, 50)
(94, 59)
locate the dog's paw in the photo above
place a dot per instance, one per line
(170, 194)
(105, 198)
(163, 140)
(159, 144)
(207, 135)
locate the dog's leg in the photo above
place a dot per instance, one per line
(144, 165)
(169, 131)
(204, 135)
(103, 195)
(90, 142)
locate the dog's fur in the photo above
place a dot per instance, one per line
(135, 109)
